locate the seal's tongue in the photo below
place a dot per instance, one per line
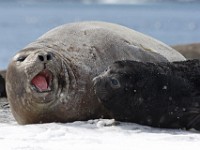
(40, 82)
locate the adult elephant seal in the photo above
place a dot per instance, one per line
(2, 83)
(162, 94)
(189, 51)
(50, 80)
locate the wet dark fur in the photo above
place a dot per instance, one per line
(2, 84)
(160, 95)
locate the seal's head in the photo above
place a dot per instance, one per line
(121, 83)
(37, 79)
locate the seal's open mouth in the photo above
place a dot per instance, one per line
(42, 81)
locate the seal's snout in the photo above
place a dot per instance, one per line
(96, 80)
(96, 84)
(45, 56)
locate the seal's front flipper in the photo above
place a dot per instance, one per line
(2, 83)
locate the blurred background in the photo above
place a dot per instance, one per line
(22, 21)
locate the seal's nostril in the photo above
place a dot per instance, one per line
(49, 57)
(41, 57)
(45, 56)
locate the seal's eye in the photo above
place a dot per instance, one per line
(114, 83)
(21, 58)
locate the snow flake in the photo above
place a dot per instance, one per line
(164, 87)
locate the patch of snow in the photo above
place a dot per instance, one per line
(93, 134)
(164, 87)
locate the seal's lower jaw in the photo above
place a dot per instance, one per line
(42, 82)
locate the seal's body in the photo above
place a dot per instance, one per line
(156, 94)
(2, 83)
(189, 51)
(50, 80)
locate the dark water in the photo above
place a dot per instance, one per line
(21, 23)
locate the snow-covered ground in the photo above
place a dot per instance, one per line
(91, 135)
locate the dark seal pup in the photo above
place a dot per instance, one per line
(160, 95)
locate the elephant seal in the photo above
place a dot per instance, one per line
(2, 83)
(50, 80)
(162, 94)
(189, 51)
